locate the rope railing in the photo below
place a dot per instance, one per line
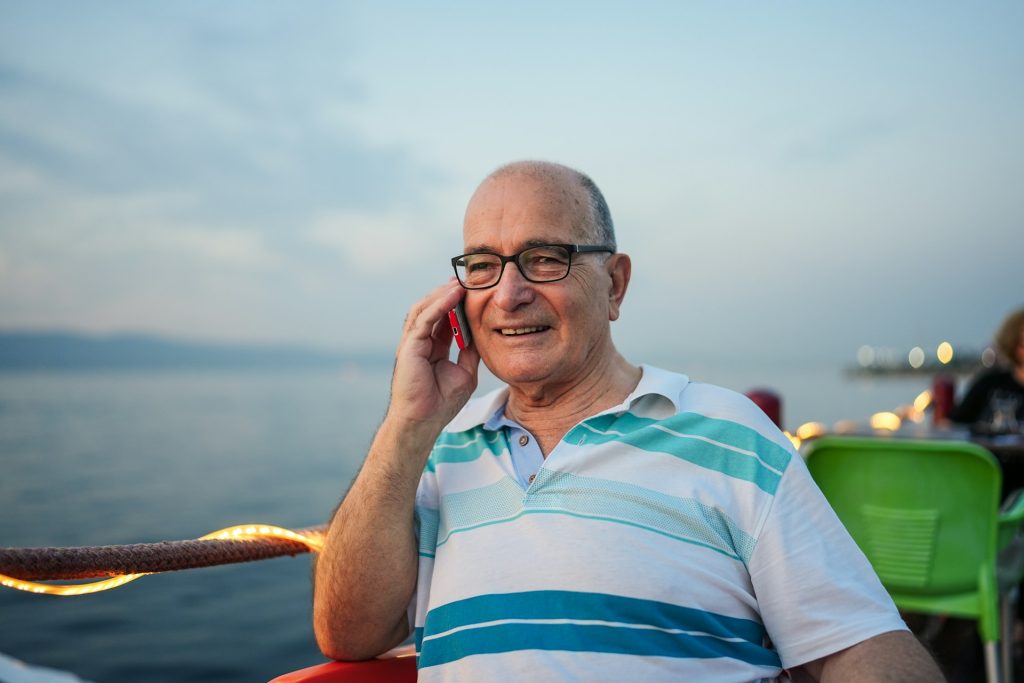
(23, 568)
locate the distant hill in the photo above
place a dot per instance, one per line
(68, 350)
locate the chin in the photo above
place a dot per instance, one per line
(511, 370)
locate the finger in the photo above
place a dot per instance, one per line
(432, 309)
(417, 310)
(469, 360)
(441, 338)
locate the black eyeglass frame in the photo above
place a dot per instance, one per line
(514, 258)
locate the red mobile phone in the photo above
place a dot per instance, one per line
(460, 329)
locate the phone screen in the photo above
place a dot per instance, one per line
(460, 329)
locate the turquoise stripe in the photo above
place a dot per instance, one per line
(418, 638)
(764, 470)
(583, 606)
(456, 447)
(504, 498)
(555, 492)
(427, 524)
(589, 638)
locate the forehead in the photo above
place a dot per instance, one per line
(515, 210)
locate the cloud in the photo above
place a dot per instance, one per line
(237, 248)
(373, 243)
(193, 166)
(228, 105)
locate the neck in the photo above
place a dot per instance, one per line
(549, 412)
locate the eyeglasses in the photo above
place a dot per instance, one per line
(543, 263)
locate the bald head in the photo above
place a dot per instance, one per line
(593, 219)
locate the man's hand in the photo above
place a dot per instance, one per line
(366, 572)
(427, 387)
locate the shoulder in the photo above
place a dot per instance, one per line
(728, 432)
(993, 377)
(718, 403)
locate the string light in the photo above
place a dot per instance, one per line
(923, 401)
(244, 532)
(811, 430)
(885, 421)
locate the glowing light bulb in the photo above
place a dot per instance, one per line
(886, 421)
(923, 401)
(845, 427)
(944, 353)
(865, 356)
(810, 430)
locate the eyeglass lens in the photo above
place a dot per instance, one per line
(538, 264)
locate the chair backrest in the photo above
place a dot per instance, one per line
(924, 512)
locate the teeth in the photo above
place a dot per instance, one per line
(510, 331)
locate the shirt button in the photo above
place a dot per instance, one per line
(523, 440)
(531, 477)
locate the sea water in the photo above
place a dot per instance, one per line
(111, 458)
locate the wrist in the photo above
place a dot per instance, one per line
(407, 441)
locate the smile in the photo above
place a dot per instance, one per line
(514, 331)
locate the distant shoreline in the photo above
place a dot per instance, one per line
(70, 351)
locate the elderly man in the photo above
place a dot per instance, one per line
(594, 520)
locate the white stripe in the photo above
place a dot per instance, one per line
(582, 622)
(469, 443)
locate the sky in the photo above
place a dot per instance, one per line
(792, 180)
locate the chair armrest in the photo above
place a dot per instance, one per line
(1011, 514)
(394, 670)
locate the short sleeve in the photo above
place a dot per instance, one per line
(425, 522)
(816, 591)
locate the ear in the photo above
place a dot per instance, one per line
(619, 268)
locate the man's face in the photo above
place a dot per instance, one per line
(530, 332)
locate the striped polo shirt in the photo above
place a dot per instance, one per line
(676, 536)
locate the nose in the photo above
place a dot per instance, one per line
(512, 290)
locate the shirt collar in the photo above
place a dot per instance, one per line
(487, 410)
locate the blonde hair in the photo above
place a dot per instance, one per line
(1009, 336)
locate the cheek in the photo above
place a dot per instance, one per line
(473, 304)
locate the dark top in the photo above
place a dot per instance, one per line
(989, 391)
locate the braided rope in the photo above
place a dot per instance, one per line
(19, 566)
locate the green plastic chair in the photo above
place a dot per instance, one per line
(926, 514)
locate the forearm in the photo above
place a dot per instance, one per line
(894, 657)
(366, 573)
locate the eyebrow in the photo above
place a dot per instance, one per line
(484, 248)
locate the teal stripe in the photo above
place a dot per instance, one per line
(589, 638)
(418, 638)
(553, 492)
(504, 498)
(427, 524)
(584, 606)
(458, 447)
(764, 470)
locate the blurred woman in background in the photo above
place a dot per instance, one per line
(994, 403)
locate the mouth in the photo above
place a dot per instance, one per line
(519, 331)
